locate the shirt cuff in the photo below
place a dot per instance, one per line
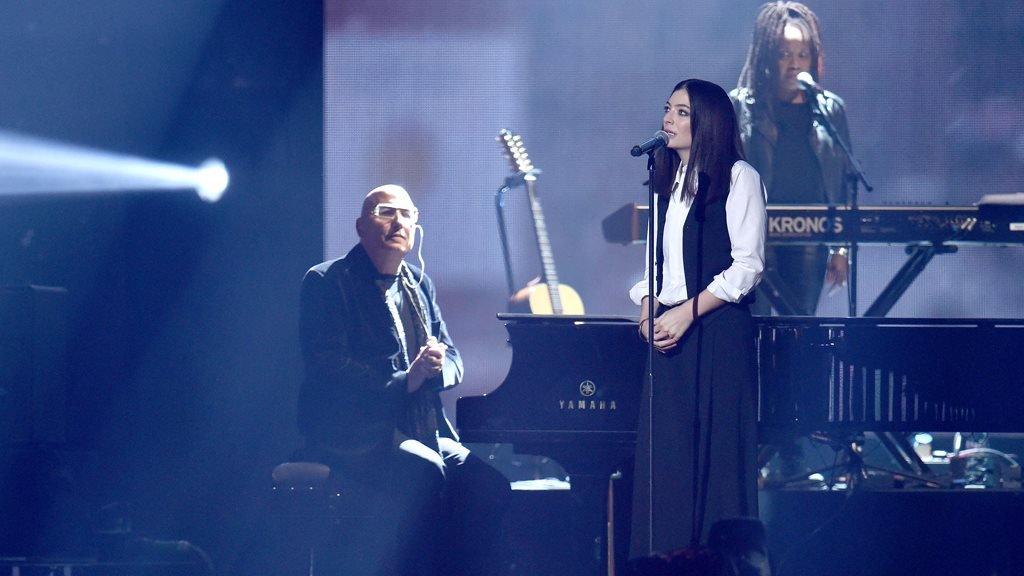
(722, 290)
(449, 374)
(638, 291)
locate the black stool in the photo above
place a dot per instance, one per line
(322, 523)
(301, 509)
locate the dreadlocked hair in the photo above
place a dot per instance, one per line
(760, 71)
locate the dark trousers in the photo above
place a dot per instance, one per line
(801, 271)
(423, 517)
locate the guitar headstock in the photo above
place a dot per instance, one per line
(516, 153)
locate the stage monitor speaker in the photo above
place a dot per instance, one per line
(33, 364)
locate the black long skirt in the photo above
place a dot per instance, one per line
(664, 477)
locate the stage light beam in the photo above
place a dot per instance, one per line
(31, 166)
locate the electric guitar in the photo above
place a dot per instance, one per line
(548, 296)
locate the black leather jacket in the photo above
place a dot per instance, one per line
(759, 136)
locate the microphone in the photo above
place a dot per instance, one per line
(659, 140)
(807, 83)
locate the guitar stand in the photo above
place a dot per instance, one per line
(499, 207)
(852, 465)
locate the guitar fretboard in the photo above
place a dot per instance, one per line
(547, 260)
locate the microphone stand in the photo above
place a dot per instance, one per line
(856, 177)
(652, 233)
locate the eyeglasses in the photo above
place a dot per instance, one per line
(386, 211)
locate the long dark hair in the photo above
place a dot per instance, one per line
(715, 144)
(760, 72)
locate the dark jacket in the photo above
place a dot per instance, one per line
(760, 135)
(354, 397)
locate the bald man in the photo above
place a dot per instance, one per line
(377, 354)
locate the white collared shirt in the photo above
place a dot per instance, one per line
(746, 221)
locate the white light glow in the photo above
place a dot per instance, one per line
(36, 166)
(212, 180)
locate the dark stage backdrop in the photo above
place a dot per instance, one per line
(182, 328)
(416, 92)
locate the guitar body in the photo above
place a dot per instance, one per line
(536, 299)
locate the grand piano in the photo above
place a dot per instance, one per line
(573, 389)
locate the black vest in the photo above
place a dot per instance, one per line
(708, 237)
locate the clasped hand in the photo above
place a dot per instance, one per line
(427, 364)
(670, 327)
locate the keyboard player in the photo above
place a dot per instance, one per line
(799, 161)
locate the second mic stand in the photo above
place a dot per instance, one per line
(856, 177)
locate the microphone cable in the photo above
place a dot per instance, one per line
(419, 257)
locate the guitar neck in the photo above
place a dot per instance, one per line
(547, 260)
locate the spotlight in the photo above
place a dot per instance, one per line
(212, 180)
